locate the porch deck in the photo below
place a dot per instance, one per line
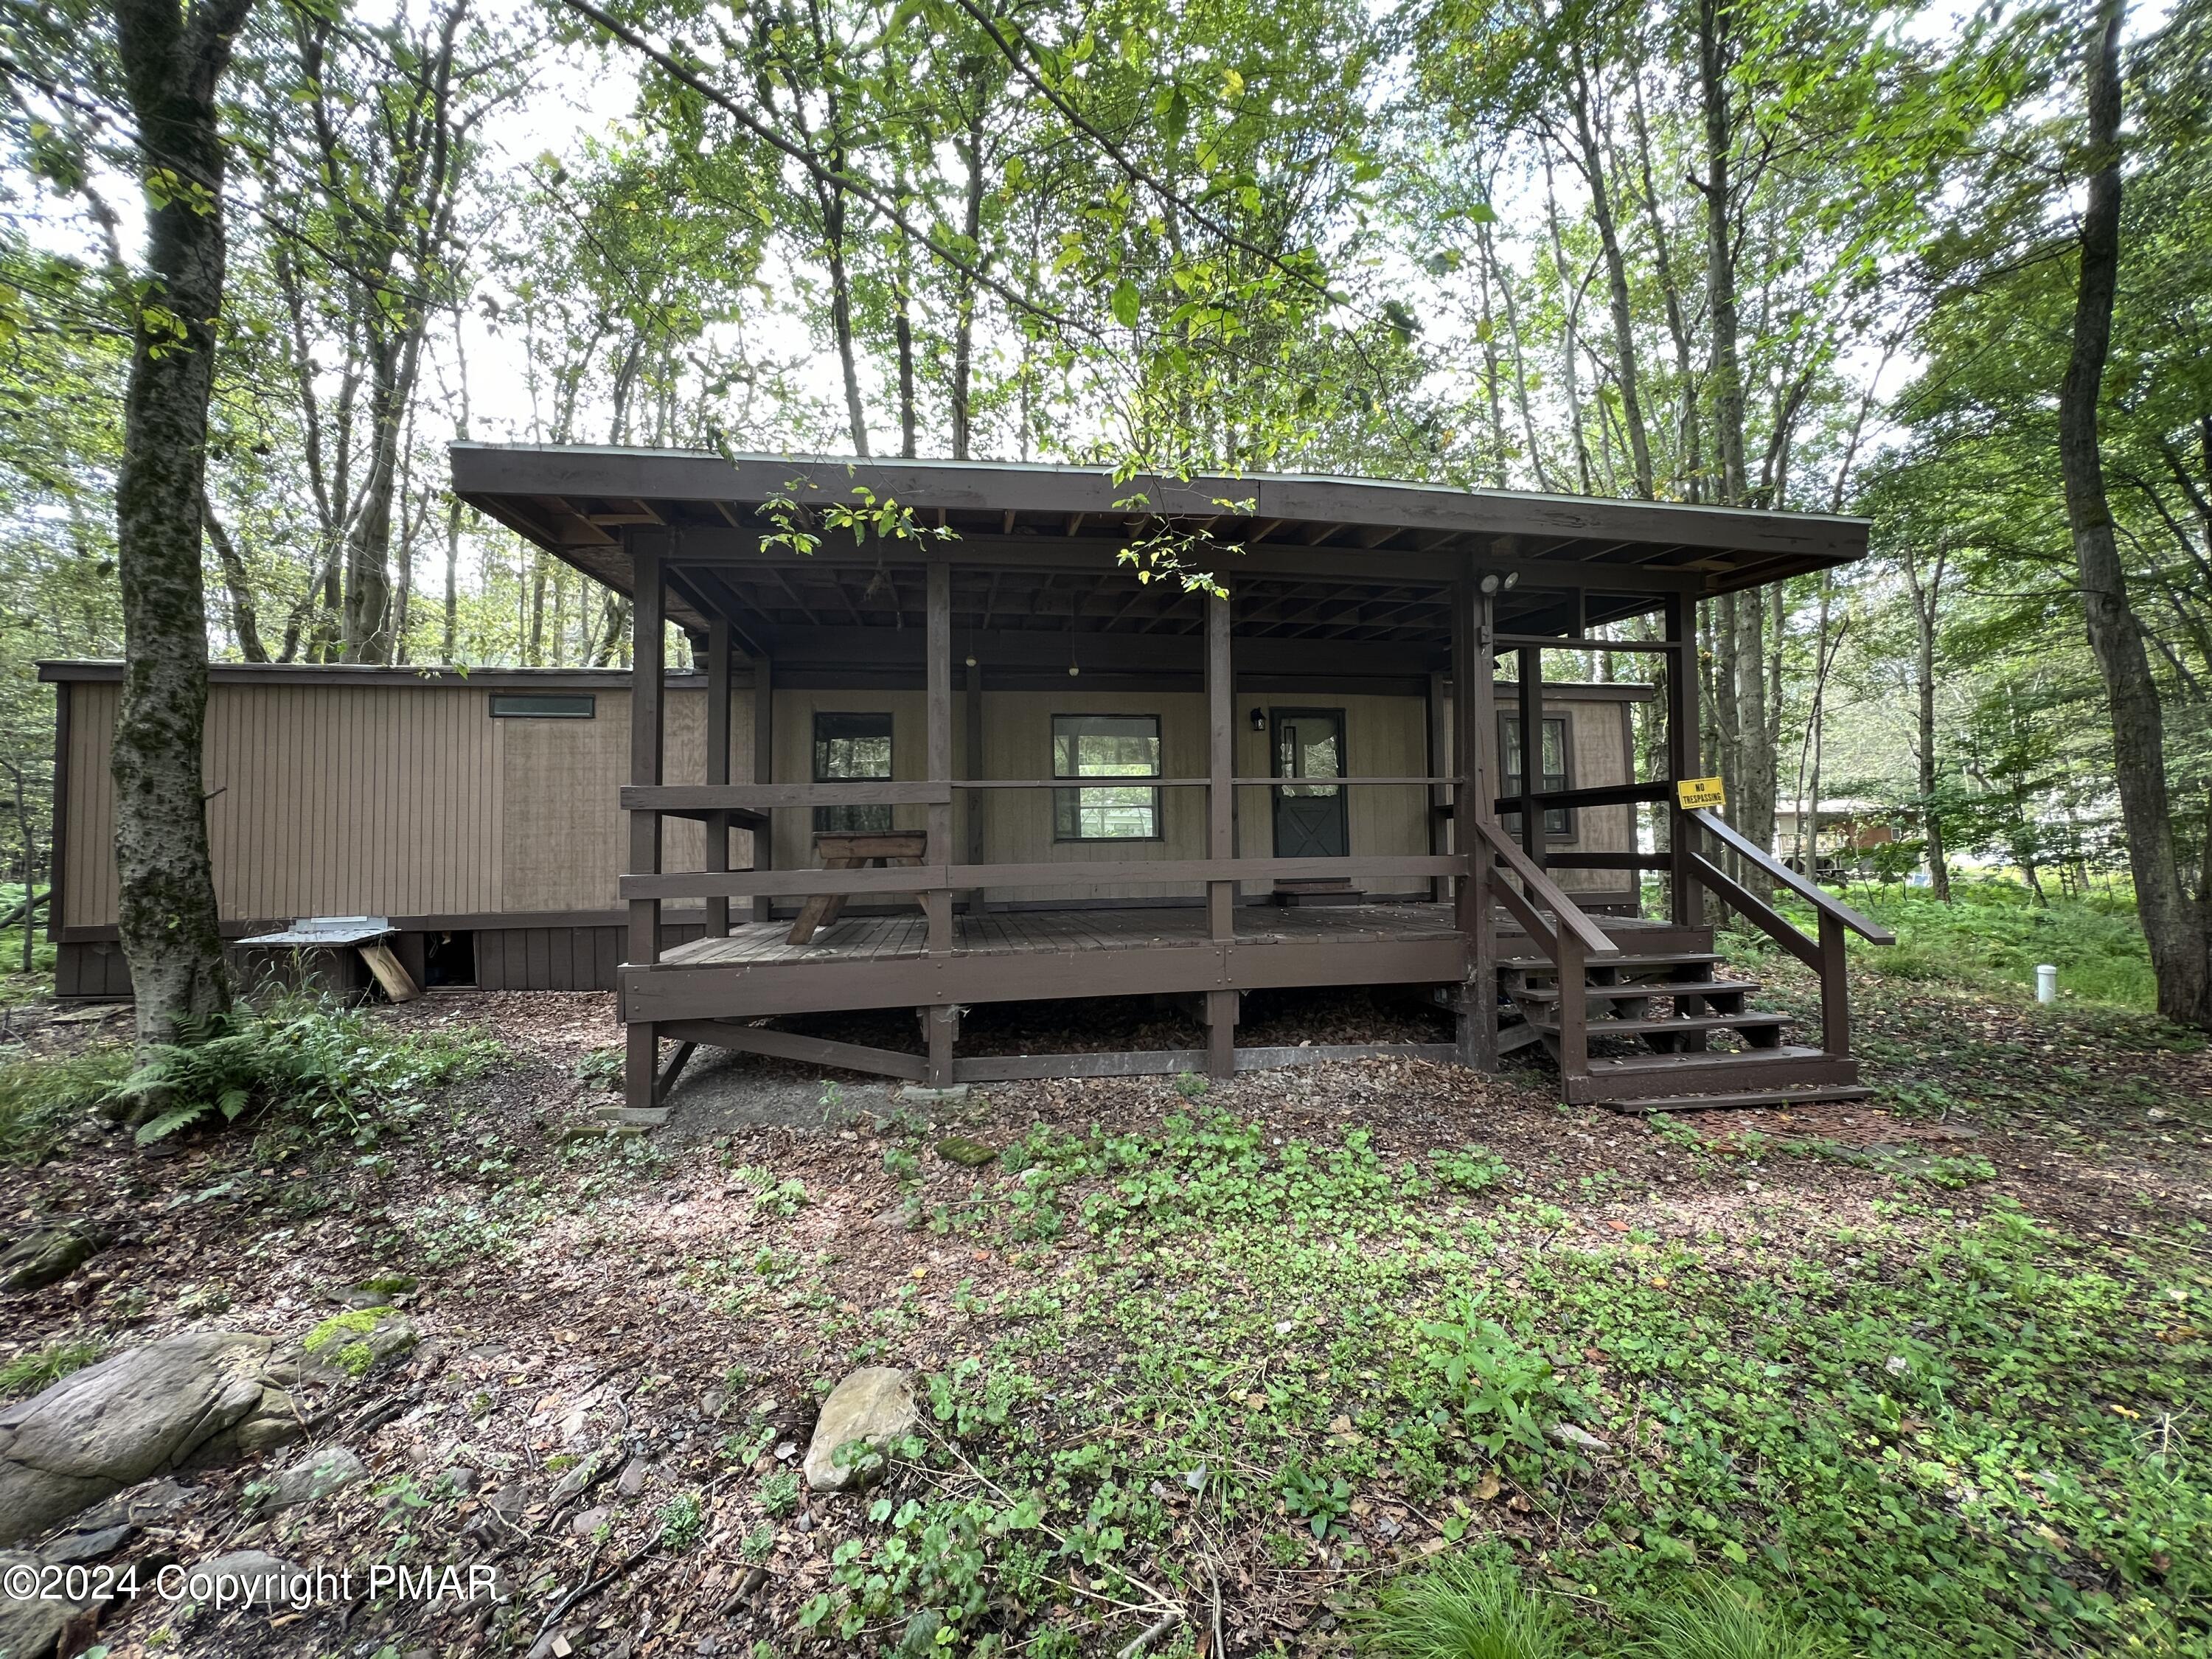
(1019, 956)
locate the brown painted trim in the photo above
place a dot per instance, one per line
(57, 829)
(754, 990)
(109, 671)
(645, 887)
(791, 1045)
(530, 470)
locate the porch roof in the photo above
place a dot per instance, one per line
(1321, 558)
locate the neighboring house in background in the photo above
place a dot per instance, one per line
(1850, 829)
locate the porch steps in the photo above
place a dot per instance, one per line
(1651, 1019)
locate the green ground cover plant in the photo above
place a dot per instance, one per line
(290, 1061)
(1993, 934)
(1947, 1433)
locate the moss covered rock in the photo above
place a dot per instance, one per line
(355, 1342)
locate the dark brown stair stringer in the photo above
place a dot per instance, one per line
(1681, 1075)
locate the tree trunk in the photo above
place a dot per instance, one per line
(1616, 274)
(243, 622)
(963, 290)
(1727, 370)
(1927, 606)
(166, 917)
(909, 417)
(2174, 919)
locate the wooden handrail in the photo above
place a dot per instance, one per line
(1546, 893)
(1811, 892)
(926, 878)
(679, 800)
(1776, 925)
(1609, 795)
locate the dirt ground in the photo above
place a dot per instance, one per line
(575, 1303)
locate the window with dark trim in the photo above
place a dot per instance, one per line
(1559, 821)
(853, 749)
(1106, 746)
(543, 705)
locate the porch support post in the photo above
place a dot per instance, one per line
(717, 826)
(1474, 734)
(648, 617)
(941, 1025)
(1221, 765)
(1531, 723)
(1221, 1011)
(937, 904)
(1440, 794)
(942, 1021)
(1683, 757)
(975, 798)
(763, 772)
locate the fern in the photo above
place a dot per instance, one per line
(305, 1056)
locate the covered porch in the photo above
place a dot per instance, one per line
(997, 579)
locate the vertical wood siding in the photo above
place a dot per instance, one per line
(411, 800)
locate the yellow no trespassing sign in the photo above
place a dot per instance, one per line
(1691, 793)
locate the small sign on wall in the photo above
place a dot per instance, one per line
(1692, 793)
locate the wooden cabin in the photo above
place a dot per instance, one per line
(977, 760)
(479, 812)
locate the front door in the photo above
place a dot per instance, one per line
(1310, 817)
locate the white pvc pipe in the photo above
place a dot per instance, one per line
(2046, 981)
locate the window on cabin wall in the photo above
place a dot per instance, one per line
(853, 749)
(1559, 821)
(542, 706)
(1125, 746)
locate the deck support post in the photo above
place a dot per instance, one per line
(941, 1026)
(1475, 735)
(717, 826)
(763, 772)
(937, 904)
(1684, 757)
(641, 1066)
(1221, 1011)
(1221, 764)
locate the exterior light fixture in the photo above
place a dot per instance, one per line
(1497, 582)
(1259, 718)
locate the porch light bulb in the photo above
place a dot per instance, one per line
(1492, 582)
(971, 662)
(1073, 671)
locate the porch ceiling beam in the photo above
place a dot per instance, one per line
(712, 597)
(1014, 649)
(1272, 559)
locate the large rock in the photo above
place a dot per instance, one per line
(49, 1255)
(112, 1425)
(870, 1408)
(30, 1626)
(348, 1346)
(331, 1469)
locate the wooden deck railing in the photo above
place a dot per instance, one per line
(753, 807)
(1569, 939)
(1825, 955)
